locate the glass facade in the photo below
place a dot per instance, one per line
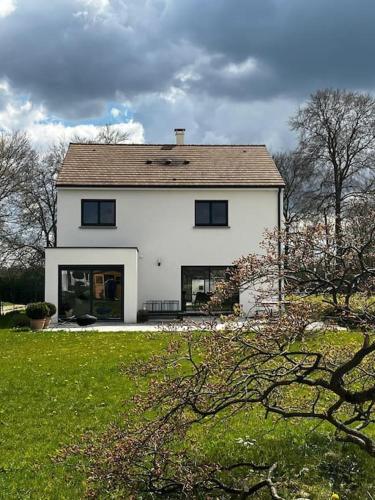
(91, 290)
(198, 284)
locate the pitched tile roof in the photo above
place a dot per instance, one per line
(156, 165)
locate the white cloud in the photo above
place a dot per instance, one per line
(4, 86)
(247, 66)
(97, 4)
(44, 134)
(212, 120)
(7, 7)
(21, 114)
(115, 112)
(94, 10)
(173, 94)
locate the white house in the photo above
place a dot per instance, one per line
(156, 226)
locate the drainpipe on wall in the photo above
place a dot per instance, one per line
(280, 284)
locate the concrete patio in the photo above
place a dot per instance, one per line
(151, 326)
(200, 323)
(102, 326)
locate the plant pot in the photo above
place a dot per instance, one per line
(37, 324)
(47, 321)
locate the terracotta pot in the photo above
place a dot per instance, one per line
(47, 321)
(37, 324)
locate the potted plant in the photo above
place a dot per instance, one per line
(142, 316)
(37, 312)
(51, 312)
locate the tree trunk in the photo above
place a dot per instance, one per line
(338, 220)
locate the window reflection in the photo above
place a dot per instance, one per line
(198, 285)
(107, 294)
(96, 291)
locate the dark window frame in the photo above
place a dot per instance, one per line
(90, 268)
(210, 269)
(211, 223)
(98, 201)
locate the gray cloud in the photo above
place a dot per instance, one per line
(226, 60)
(75, 60)
(300, 45)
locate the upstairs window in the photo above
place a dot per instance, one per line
(98, 212)
(211, 213)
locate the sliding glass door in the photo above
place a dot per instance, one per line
(198, 284)
(96, 290)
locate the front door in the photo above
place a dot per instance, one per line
(96, 290)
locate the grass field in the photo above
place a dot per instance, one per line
(55, 386)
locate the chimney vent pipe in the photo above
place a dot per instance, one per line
(180, 136)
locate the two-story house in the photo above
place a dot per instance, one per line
(156, 226)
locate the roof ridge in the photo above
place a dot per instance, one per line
(165, 144)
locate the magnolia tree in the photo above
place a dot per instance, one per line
(227, 366)
(313, 265)
(228, 369)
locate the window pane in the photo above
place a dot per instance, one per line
(202, 212)
(217, 275)
(219, 212)
(107, 212)
(90, 212)
(89, 290)
(195, 287)
(107, 292)
(74, 292)
(198, 285)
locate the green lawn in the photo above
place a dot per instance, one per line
(55, 386)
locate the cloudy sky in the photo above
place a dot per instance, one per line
(229, 71)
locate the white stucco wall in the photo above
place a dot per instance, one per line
(160, 222)
(95, 256)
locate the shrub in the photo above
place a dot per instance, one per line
(37, 310)
(22, 286)
(20, 320)
(8, 320)
(323, 308)
(142, 316)
(51, 308)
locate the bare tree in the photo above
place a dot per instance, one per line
(16, 159)
(29, 225)
(108, 134)
(337, 133)
(300, 189)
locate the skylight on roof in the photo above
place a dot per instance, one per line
(174, 162)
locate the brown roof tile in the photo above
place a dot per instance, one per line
(156, 165)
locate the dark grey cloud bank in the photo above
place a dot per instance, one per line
(207, 64)
(301, 44)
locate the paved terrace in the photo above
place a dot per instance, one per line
(173, 325)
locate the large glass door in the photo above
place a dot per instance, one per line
(91, 290)
(107, 293)
(198, 284)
